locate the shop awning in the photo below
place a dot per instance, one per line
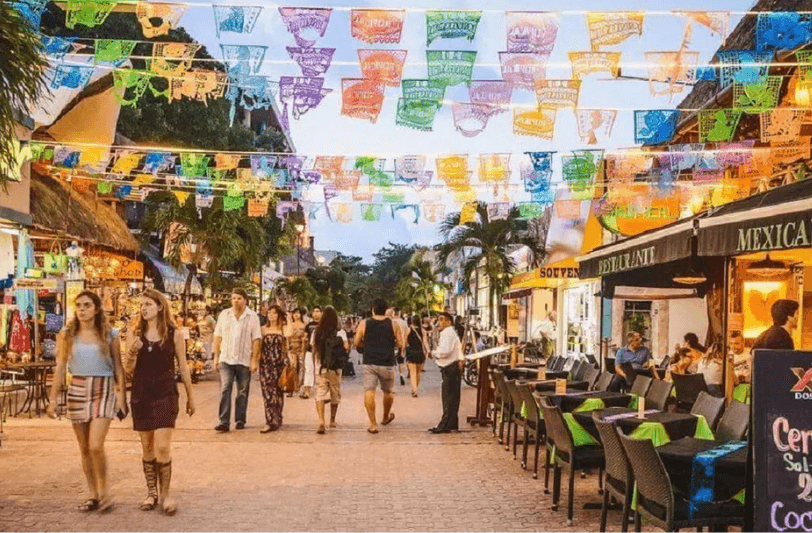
(657, 246)
(778, 219)
(173, 281)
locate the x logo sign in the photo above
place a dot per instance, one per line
(804, 378)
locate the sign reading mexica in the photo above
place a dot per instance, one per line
(782, 440)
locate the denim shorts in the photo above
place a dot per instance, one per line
(374, 374)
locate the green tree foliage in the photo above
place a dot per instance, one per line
(386, 270)
(21, 82)
(419, 280)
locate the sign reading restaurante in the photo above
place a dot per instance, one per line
(641, 257)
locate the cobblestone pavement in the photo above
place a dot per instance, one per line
(402, 479)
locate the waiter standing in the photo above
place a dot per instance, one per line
(448, 356)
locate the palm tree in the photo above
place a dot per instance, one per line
(418, 283)
(22, 66)
(487, 244)
(225, 240)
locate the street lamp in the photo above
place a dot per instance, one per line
(299, 229)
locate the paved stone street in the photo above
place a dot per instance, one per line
(402, 479)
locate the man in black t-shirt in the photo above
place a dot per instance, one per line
(779, 335)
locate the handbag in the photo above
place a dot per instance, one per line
(55, 262)
(287, 381)
(53, 323)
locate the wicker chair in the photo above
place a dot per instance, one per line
(708, 406)
(516, 419)
(559, 364)
(734, 423)
(552, 362)
(687, 388)
(567, 455)
(641, 385)
(507, 408)
(576, 368)
(658, 394)
(657, 500)
(495, 376)
(590, 376)
(604, 381)
(533, 426)
(582, 370)
(618, 481)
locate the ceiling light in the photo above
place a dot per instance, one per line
(691, 277)
(767, 268)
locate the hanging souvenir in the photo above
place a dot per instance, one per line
(71, 76)
(607, 29)
(423, 90)
(168, 15)
(361, 98)
(783, 30)
(584, 63)
(759, 97)
(450, 68)
(371, 212)
(451, 25)
(471, 119)
(781, 125)
(594, 122)
(743, 66)
(236, 19)
(558, 94)
(20, 339)
(531, 31)
(494, 168)
(90, 13)
(382, 65)
(655, 126)
(718, 124)
(416, 114)
(299, 19)
(521, 70)
(377, 26)
(313, 61)
(534, 122)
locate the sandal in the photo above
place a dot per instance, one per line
(170, 510)
(388, 420)
(105, 504)
(149, 504)
(266, 429)
(91, 504)
(320, 431)
(373, 431)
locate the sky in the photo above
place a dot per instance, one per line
(324, 131)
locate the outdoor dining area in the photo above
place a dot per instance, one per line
(672, 459)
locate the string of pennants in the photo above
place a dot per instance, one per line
(530, 39)
(625, 181)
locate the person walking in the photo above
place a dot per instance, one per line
(207, 326)
(404, 326)
(448, 357)
(153, 353)
(416, 349)
(237, 339)
(90, 351)
(379, 337)
(330, 348)
(296, 347)
(270, 362)
(779, 335)
(309, 364)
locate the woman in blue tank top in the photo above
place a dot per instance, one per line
(90, 351)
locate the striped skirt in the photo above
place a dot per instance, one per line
(91, 397)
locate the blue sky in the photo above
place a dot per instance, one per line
(323, 131)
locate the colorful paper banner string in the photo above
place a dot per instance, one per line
(203, 202)
(112, 50)
(66, 157)
(498, 211)
(126, 161)
(377, 26)
(471, 119)
(450, 68)
(781, 125)
(606, 29)
(243, 59)
(718, 124)
(494, 168)
(655, 126)
(579, 170)
(783, 30)
(71, 76)
(490, 92)
(423, 90)
(743, 66)
(558, 94)
(371, 212)
(104, 187)
(382, 65)
(363, 193)
(31, 12)
(521, 70)
(534, 122)
(200, 85)
(313, 61)
(568, 209)
(348, 180)
(330, 192)
(362, 99)
(328, 166)
(531, 210)
(57, 47)
(759, 97)
(158, 18)
(735, 154)
(593, 123)
(90, 13)
(130, 85)
(464, 194)
(299, 19)
(432, 213)
(585, 63)
(535, 180)
(257, 208)
(790, 152)
(623, 168)
(409, 168)
(342, 212)
(301, 94)
(235, 19)
(716, 21)
(416, 114)
(451, 25)
(393, 196)
(468, 213)
(94, 160)
(453, 170)
(669, 73)
(262, 166)
(531, 31)
(414, 208)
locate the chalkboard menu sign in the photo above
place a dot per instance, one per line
(781, 431)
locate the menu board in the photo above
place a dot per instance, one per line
(782, 440)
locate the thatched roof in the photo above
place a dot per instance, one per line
(743, 37)
(57, 207)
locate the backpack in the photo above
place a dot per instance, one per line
(334, 356)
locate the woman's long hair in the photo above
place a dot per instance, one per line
(165, 320)
(693, 342)
(417, 324)
(281, 320)
(99, 325)
(328, 327)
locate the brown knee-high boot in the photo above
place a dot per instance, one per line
(151, 475)
(164, 478)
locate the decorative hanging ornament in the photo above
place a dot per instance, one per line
(531, 31)
(300, 19)
(607, 29)
(522, 70)
(451, 25)
(235, 19)
(593, 123)
(362, 98)
(558, 94)
(158, 18)
(534, 122)
(377, 26)
(382, 65)
(450, 68)
(585, 63)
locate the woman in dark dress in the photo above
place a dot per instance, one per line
(272, 360)
(415, 352)
(154, 350)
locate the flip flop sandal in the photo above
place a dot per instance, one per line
(149, 506)
(170, 511)
(373, 431)
(105, 505)
(89, 505)
(388, 420)
(320, 431)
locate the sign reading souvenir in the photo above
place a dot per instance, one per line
(531, 31)
(451, 24)
(780, 432)
(362, 98)
(450, 68)
(382, 65)
(377, 26)
(606, 29)
(534, 122)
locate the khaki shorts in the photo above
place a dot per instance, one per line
(328, 386)
(374, 374)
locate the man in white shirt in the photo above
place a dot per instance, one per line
(448, 357)
(237, 338)
(741, 359)
(545, 332)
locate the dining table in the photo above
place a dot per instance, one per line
(546, 385)
(729, 479)
(660, 426)
(36, 377)
(585, 400)
(532, 373)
